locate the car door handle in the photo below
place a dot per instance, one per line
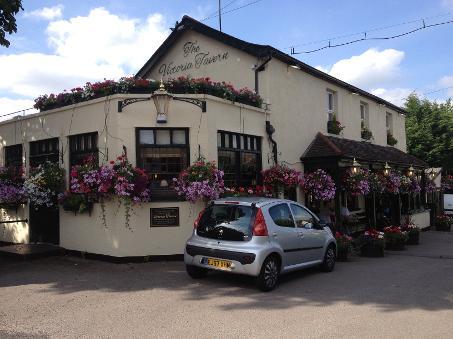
(274, 234)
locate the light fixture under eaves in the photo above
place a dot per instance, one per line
(294, 66)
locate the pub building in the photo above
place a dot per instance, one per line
(293, 126)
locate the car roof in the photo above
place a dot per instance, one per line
(249, 200)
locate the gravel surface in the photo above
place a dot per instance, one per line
(403, 295)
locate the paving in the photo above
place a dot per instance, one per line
(403, 295)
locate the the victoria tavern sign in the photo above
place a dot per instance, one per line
(194, 58)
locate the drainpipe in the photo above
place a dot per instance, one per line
(258, 69)
(270, 130)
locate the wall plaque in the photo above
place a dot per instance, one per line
(164, 217)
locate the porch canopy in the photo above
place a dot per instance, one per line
(335, 154)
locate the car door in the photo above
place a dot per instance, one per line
(285, 233)
(311, 236)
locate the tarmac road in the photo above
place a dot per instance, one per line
(404, 295)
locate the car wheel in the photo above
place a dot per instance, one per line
(268, 277)
(329, 259)
(196, 272)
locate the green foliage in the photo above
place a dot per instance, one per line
(429, 130)
(8, 10)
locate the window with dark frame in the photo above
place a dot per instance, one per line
(44, 150)
(81, 146)
(13, 155)
(239, 157)
(163, 153)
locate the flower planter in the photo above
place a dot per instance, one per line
(342, 254)
(372, 249)
(395, 246)
(413, 238)
(443, 228)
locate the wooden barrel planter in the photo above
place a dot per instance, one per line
(372, 249)
(396, 246)
(413, 238)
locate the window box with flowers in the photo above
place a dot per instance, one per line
(395, 238)
(366, 134)
(334, 126)
(391, 141)
(372, 243)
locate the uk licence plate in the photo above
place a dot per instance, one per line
(218, 263)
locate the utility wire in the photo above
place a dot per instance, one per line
(217, 12)
(19, 111)
(367, 31)
(365, 38)
(231, 10)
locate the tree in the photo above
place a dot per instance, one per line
(429, 131)
(8, 10)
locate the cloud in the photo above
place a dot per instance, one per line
(447, 82)
(85, 48)
(447, 3)
(396, 96)
(8, 105)
(46, 13)
(371, 69)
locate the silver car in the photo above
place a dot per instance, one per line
(260, 237)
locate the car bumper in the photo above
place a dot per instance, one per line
(247, 263)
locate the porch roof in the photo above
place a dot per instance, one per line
(328, 146)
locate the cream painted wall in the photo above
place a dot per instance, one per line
(16, 232)
(86, 233)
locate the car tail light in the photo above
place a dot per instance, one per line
(259, 226)
(197, 221)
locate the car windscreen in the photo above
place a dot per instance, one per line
(226, 222)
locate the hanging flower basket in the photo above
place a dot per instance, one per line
(357, 182)
(377, 183)
(447, 182)
(12, 192)
(44, 184)
(319, 185)
(393, 182)
(280, 178)
(430, 186)
(200, 181)
(74, 202)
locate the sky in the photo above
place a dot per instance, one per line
(64, 44)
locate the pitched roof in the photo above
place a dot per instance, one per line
(188, 23)
(328, 146)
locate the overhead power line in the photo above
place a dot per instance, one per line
(231, 10)
(19, 111)
(366, 38)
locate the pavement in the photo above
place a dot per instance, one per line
(403, 295)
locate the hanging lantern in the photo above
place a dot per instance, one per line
(410, 171)
(355, 166)
(161, 100)
(387, 169)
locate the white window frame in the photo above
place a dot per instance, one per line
(389, 122)
(331, 109)
(364, 115)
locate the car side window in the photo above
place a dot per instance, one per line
(304, 219)
(281, 215)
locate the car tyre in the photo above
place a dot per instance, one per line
(328, 263)
(268, 278)
(196, 272)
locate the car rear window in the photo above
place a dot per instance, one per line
(226, 222)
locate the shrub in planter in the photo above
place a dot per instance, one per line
(334, 126)
(372, 243)
(344, 246)
(74, 202)
(412, 231)
(391, 141)
(366, 133)
(395, 238)
(443, 223)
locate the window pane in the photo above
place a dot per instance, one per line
(227, 163)
(234, 141)
(281, 215)
(146, 137)
(163, 164)
(249, 169)
(179, 137)
(302, 216)
(162, 136)
(227, 141)
(219, 139)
